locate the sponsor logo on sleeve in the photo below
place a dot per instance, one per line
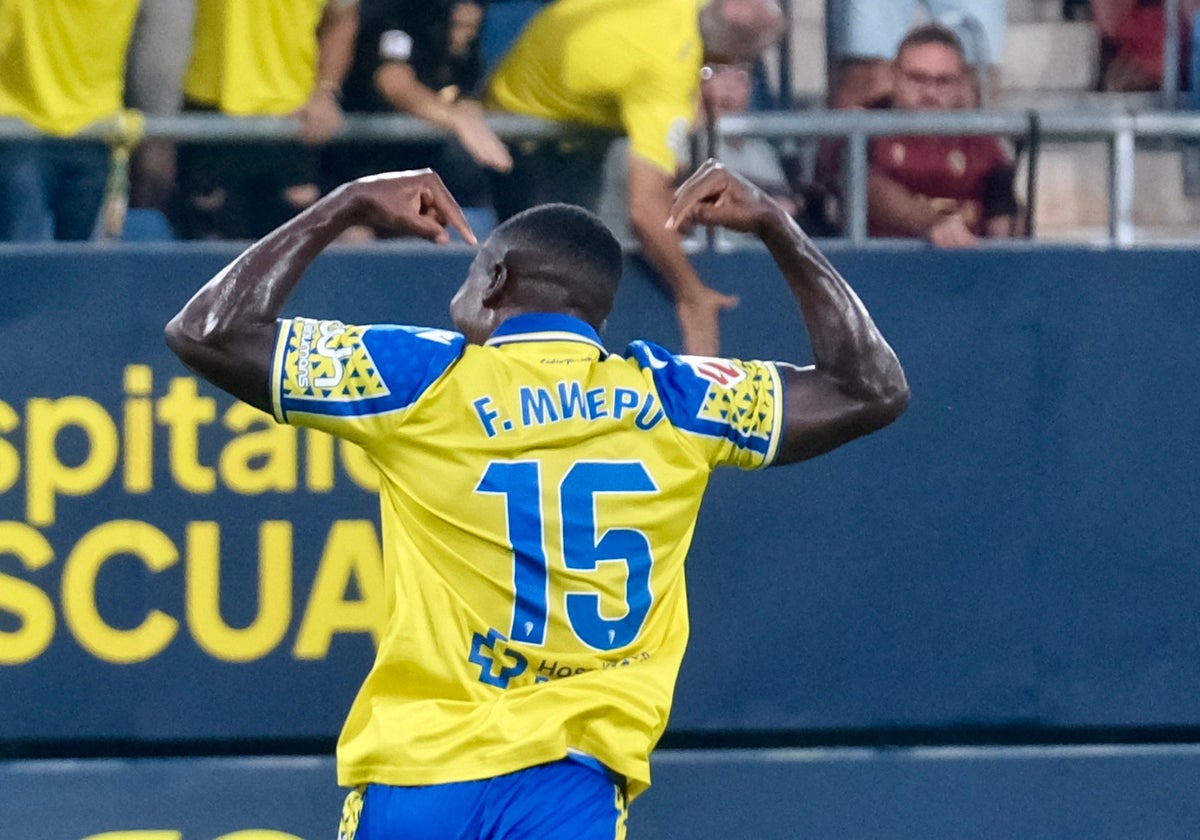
(327, 360)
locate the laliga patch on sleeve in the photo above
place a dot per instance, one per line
(395, 45)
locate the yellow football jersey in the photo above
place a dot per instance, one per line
(538, 497)
(62, 62)
(627, 65)
(254, 57)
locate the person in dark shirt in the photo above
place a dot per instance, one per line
(950, 190)
(421, 57)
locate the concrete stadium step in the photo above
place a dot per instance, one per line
(1033, 11)
(1054, 55)
(1041, 50)
(1071, 202)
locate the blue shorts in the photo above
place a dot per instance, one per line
(563, 800)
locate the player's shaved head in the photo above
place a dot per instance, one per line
(549, 258)
(564, 245)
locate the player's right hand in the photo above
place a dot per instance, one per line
(414, 202)
(715, 195)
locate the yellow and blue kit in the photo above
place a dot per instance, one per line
(628, 65)
(538, 497)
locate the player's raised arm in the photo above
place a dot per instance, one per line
(226, 332)
(856, 385)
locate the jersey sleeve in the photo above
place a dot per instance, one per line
(658, 107)
(732, 409)
(355, 382)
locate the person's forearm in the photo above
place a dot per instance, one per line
(893, 208)
(405, 92)
(663, 249)
(846, 344)
(650, 195)
(226, 331)
(335, 45)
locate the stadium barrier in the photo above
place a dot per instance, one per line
(1000, 793)
(1119, 131)
(1017, 552)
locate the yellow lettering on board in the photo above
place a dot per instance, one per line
(139, 429)
(255, 462)
(97, 547)
(203, 591)
(182, 410)
(351, 552)
(32, 607)
(47, 476)
(318, 461)
(10, 458)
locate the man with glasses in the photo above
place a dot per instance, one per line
(864, 35)
(950, 190)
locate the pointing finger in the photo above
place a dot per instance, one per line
(450, 213)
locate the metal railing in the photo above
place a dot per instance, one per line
(1119, 131)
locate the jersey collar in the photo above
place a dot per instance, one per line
(545, 326)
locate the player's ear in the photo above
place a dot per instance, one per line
(497, 282)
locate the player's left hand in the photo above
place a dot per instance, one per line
(715, 195)
(414, 202)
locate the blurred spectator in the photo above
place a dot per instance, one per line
(950, 190)
(727, 89)
(1132, 33)
(864, 36)
(158, 54)
(59, 73)
(421, 57)
(632, 69)
(283, 57)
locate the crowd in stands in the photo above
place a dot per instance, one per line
(636, 83)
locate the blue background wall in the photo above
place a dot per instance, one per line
(1015, 560)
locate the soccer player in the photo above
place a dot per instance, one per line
(538, 494)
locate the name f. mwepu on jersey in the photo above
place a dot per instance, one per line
(330, 368)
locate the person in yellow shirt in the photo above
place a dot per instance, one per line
(61, 70)
(277, 58)
(538, 494)
(628, 67)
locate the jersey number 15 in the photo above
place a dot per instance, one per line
(584, 547)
